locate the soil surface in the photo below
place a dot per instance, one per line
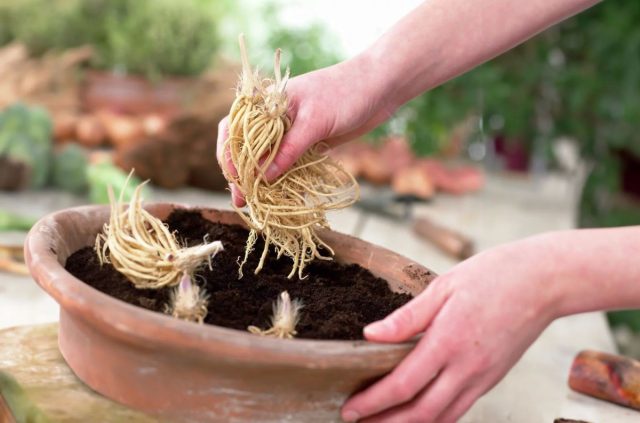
(339, 299)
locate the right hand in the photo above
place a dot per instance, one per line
(476, 321)
(333, 105)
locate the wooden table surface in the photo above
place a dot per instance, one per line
(534, 391)
(30, 355)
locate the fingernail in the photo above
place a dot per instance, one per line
(376, 328)
(272, 171)
(350, 416)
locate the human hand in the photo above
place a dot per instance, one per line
(478, 319)
(332, 105)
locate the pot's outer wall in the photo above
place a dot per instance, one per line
(188, 372)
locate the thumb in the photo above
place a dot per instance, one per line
(294, 144)
(410, 319)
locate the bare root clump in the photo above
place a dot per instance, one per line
(142, 248)
(286, 212)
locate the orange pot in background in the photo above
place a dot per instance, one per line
(136, 95)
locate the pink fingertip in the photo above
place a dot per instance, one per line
(273, 171)
(350, 416)
(376, 330)
(238, 201)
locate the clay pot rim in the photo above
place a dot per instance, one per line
(151, 328)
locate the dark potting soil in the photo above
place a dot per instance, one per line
(339, 299)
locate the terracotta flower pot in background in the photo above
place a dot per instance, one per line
(188, 372)
(136, 95)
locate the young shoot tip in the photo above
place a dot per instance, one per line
(286, 315)
(188, 301)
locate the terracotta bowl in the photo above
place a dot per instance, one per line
(188, 372)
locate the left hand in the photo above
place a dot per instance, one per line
(478, 319)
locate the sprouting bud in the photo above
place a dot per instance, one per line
(188, 301)
(286, 314)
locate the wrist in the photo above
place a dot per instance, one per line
(549, 261)
(537, 262)
(377, 85)
(564, 274)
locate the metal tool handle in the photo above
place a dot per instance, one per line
(448, 240)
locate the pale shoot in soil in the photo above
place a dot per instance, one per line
(286, 314)
(142, 248)
(188, 301)
(286, 212)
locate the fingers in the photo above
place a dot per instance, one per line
(415, 372)
(430, 403)
(236, 196)
(469, 395)
(412, 318)
(294, 144)
(224, 160)
(223, 133)
(222, 153)
(459, 406)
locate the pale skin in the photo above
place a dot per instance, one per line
(477, 319)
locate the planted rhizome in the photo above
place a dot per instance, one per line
(257, 313)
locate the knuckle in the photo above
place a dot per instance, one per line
(401, 388)
(484, 361)
(425, 412)
(480, 365)
(286, 155)
(458, 410)
(403, 318)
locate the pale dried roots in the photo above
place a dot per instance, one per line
(286, 314)
(289, 211)
(188, 301)
(142, 248)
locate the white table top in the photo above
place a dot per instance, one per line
(507, 209)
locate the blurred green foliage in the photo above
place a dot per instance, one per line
(103, 175)
(43, 25)
(150, 37)
(630, 318)
(601, 80)
(21, 407)
(6, 27)
(159, 37)
(305, 48)
(598, 103)
(165, 37)
(580, 78)
(25, 137)
(69, 168)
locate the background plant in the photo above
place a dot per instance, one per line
(149, 37)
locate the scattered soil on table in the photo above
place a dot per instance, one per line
(339, 299)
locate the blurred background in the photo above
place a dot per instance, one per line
(92, 88)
